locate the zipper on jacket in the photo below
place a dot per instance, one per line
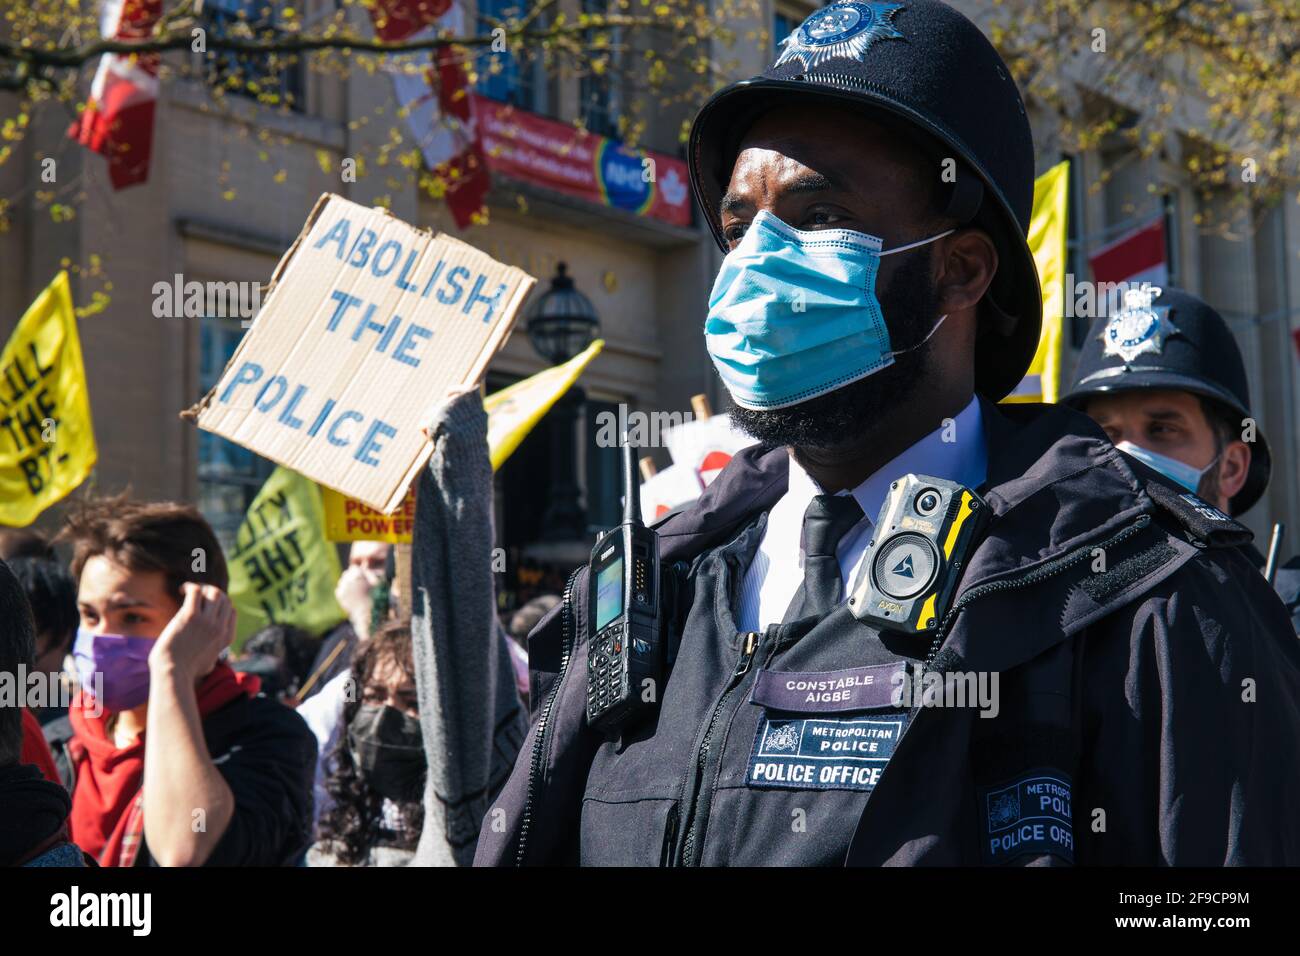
(543, 717)
(670, 837)
(1050, 569)
(748, 647)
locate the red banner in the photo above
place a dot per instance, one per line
(555, 155)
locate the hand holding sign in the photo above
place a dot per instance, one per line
(367, 321)
(435, 413)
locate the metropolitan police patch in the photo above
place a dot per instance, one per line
(1140, 327)
(823, 753)
(1030, 815)
(840, 30)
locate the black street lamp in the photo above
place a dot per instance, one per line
(561, 324)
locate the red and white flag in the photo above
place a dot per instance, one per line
(439, 112)
(1135, 257)
(397, 20)
(118, 119)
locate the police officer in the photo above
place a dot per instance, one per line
(1164, 378)
(872, 190)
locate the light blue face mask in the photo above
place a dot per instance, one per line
(1173, 469)
(794, 314)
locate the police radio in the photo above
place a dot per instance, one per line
(624, 646)
(926, 530)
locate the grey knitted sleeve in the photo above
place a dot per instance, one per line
(470, 713)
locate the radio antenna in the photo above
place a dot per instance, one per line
(631, 485)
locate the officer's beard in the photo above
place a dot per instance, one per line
(911, 309)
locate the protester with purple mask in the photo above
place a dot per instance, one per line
(171, 757)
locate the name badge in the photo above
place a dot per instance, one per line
(846, 753)
(828, 692)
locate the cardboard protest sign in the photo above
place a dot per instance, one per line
(367, 323)
(47, 441)
(282, 570)
(347, 519)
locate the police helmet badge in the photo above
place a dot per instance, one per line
(840, 30)
(1139, 327)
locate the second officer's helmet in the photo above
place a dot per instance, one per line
(1169, 339)
(923, 64)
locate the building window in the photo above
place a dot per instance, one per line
(506, 77)
(229, 476)
(600, 94)
(272, 78)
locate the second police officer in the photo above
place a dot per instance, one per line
(1165, 379)
(868, 315)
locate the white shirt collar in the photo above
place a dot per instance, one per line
(955, 451)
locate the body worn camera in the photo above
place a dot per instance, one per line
(926, 530)
(625, 646)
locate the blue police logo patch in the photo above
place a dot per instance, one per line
(1004, 809)
(840, 30)
(1031, 815)
(823, 753)
(1139, 327)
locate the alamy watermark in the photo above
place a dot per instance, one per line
(1091, 300)
(179, 299)
(39, 689)
(979, 689)
(643, 429)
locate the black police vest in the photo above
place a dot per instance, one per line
(766, 746)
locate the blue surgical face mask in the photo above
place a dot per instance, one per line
(1184, 474)
(794, 314)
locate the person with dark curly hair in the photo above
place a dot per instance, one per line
(376, 782)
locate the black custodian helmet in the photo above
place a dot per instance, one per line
(1170, 339)
(922, 64)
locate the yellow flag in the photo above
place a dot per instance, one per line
(1042, 383)
(282, 570)
(47, 441)
(512, 412)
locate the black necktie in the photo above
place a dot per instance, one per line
(827, 520)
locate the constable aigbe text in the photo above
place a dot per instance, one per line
(399, 339)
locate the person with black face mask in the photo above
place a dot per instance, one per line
(877, 299)
(376, 783)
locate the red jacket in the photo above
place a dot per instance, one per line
(35, 750)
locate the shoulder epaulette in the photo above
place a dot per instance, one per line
(1206, 525)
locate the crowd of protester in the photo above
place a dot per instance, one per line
(155, 743)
